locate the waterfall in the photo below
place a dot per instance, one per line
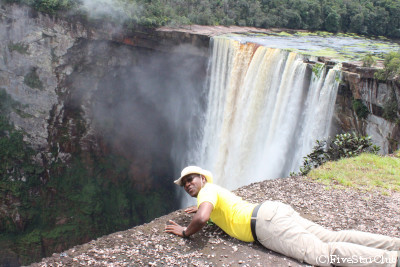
(265, 110)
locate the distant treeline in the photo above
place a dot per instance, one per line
(367, 17)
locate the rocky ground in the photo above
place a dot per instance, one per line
(148, 245)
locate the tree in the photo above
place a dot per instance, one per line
(332, 22)
(368, 60)
(392, 67)
(293, 19)
(393, 27)
(310, 12)
(377, 21)
(357, 24)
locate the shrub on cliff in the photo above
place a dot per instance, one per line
(342, 146)
(390, 110)
(391, 71)
(368, 60)
(360, 109)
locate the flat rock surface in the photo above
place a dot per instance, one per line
(149, 245)
(218, 30)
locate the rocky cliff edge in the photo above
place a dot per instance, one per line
(149, 245)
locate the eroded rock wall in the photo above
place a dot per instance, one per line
(380, 101)
(101, 112)
(32, 48)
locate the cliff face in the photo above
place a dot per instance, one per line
(369, 107)
(87, 123)
(31, 52)
(32, 48)
(90, 115)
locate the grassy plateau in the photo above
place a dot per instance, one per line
(366, 172)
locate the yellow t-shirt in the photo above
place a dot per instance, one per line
(230, 213)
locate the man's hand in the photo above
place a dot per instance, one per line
(174, 228)
(199, 220)
(192, 209)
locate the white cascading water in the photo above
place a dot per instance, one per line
(265, 110)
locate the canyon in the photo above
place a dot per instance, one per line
(104, 115)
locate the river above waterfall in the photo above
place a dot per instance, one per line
(341, 47)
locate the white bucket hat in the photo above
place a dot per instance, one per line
(197, 170)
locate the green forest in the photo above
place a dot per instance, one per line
(365, 17)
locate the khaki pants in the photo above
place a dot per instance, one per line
(281, 229)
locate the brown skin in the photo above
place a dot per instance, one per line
(192, 185)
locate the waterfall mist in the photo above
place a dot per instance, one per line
(265, 109)
(119, 11)
(142, 104)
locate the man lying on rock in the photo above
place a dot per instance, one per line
(279, 228)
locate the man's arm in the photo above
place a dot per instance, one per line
(199, 220)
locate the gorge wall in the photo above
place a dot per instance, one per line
(94, 120)
(88, 124)
(370, 107)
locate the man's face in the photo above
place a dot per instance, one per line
(192, 184)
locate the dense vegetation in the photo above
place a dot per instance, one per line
(391, 71)
(367, 17)
(341, 146)
(18, 171)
